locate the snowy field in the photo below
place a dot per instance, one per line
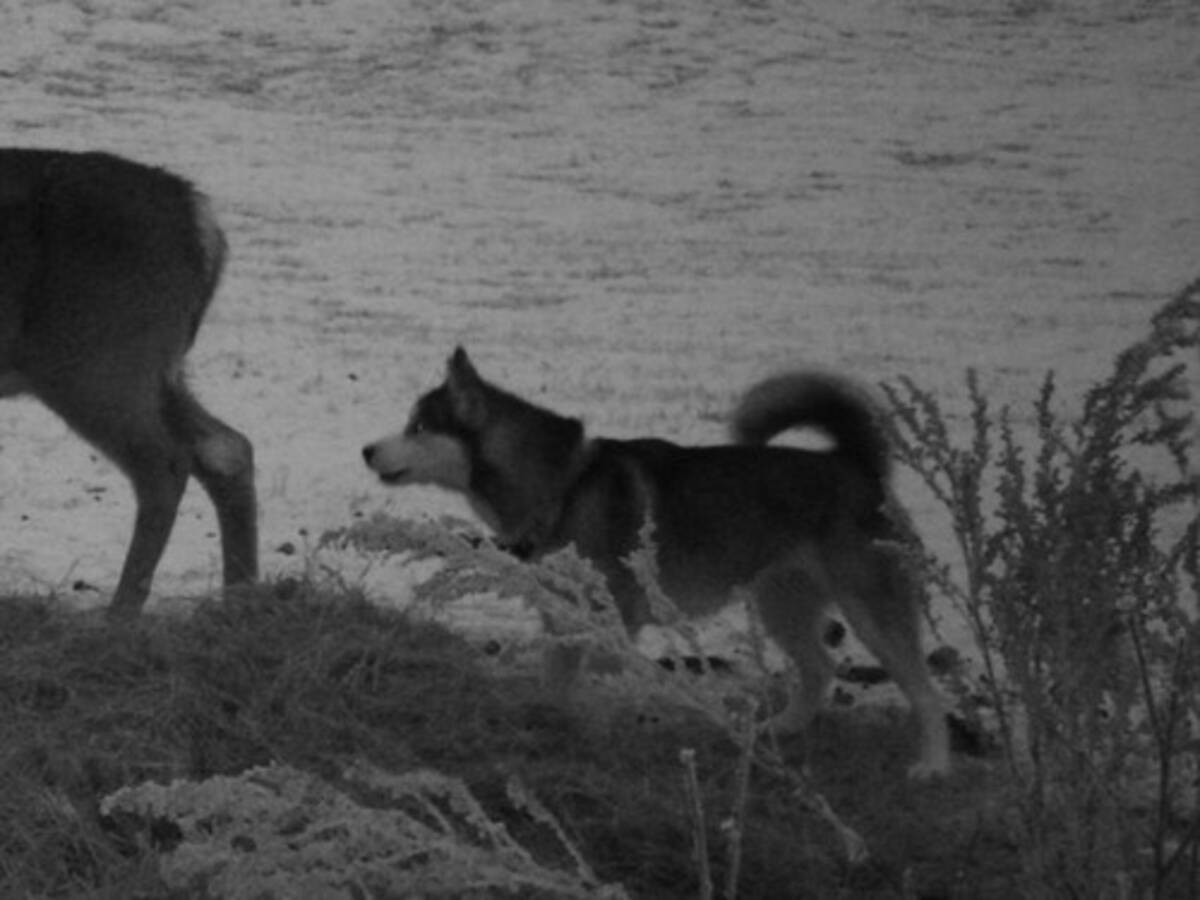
(625, 210)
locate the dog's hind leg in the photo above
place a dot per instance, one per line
(880, 600)
(791, 603)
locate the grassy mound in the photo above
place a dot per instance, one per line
(290, 674)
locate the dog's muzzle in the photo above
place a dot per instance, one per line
(419, 459)
(370, 455)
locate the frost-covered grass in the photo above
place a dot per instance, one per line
(316, 684)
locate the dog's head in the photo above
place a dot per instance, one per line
(511, 459)
(434, 446)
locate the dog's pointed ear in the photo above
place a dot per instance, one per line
(460, 369)
(466, 389)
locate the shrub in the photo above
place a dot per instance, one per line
(1078, 577)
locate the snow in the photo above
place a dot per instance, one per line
(626, 210)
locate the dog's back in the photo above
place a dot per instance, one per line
(720, 515)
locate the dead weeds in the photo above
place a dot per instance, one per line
(296, 675)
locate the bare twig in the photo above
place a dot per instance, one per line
(691, 782)
(733, 828)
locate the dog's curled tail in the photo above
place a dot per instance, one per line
(817, 399)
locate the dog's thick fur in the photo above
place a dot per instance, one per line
(800, 529)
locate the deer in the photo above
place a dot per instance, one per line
(107, 267)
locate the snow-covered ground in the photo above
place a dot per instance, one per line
(626, 210)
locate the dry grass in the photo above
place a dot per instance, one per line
(302, 676)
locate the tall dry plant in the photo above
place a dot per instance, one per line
(1079, 578)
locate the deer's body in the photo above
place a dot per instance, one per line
(106, 270)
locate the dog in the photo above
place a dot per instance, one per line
(800, 530)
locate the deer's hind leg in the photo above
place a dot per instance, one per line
(121, 415)
(223, 462)
(138, 412)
